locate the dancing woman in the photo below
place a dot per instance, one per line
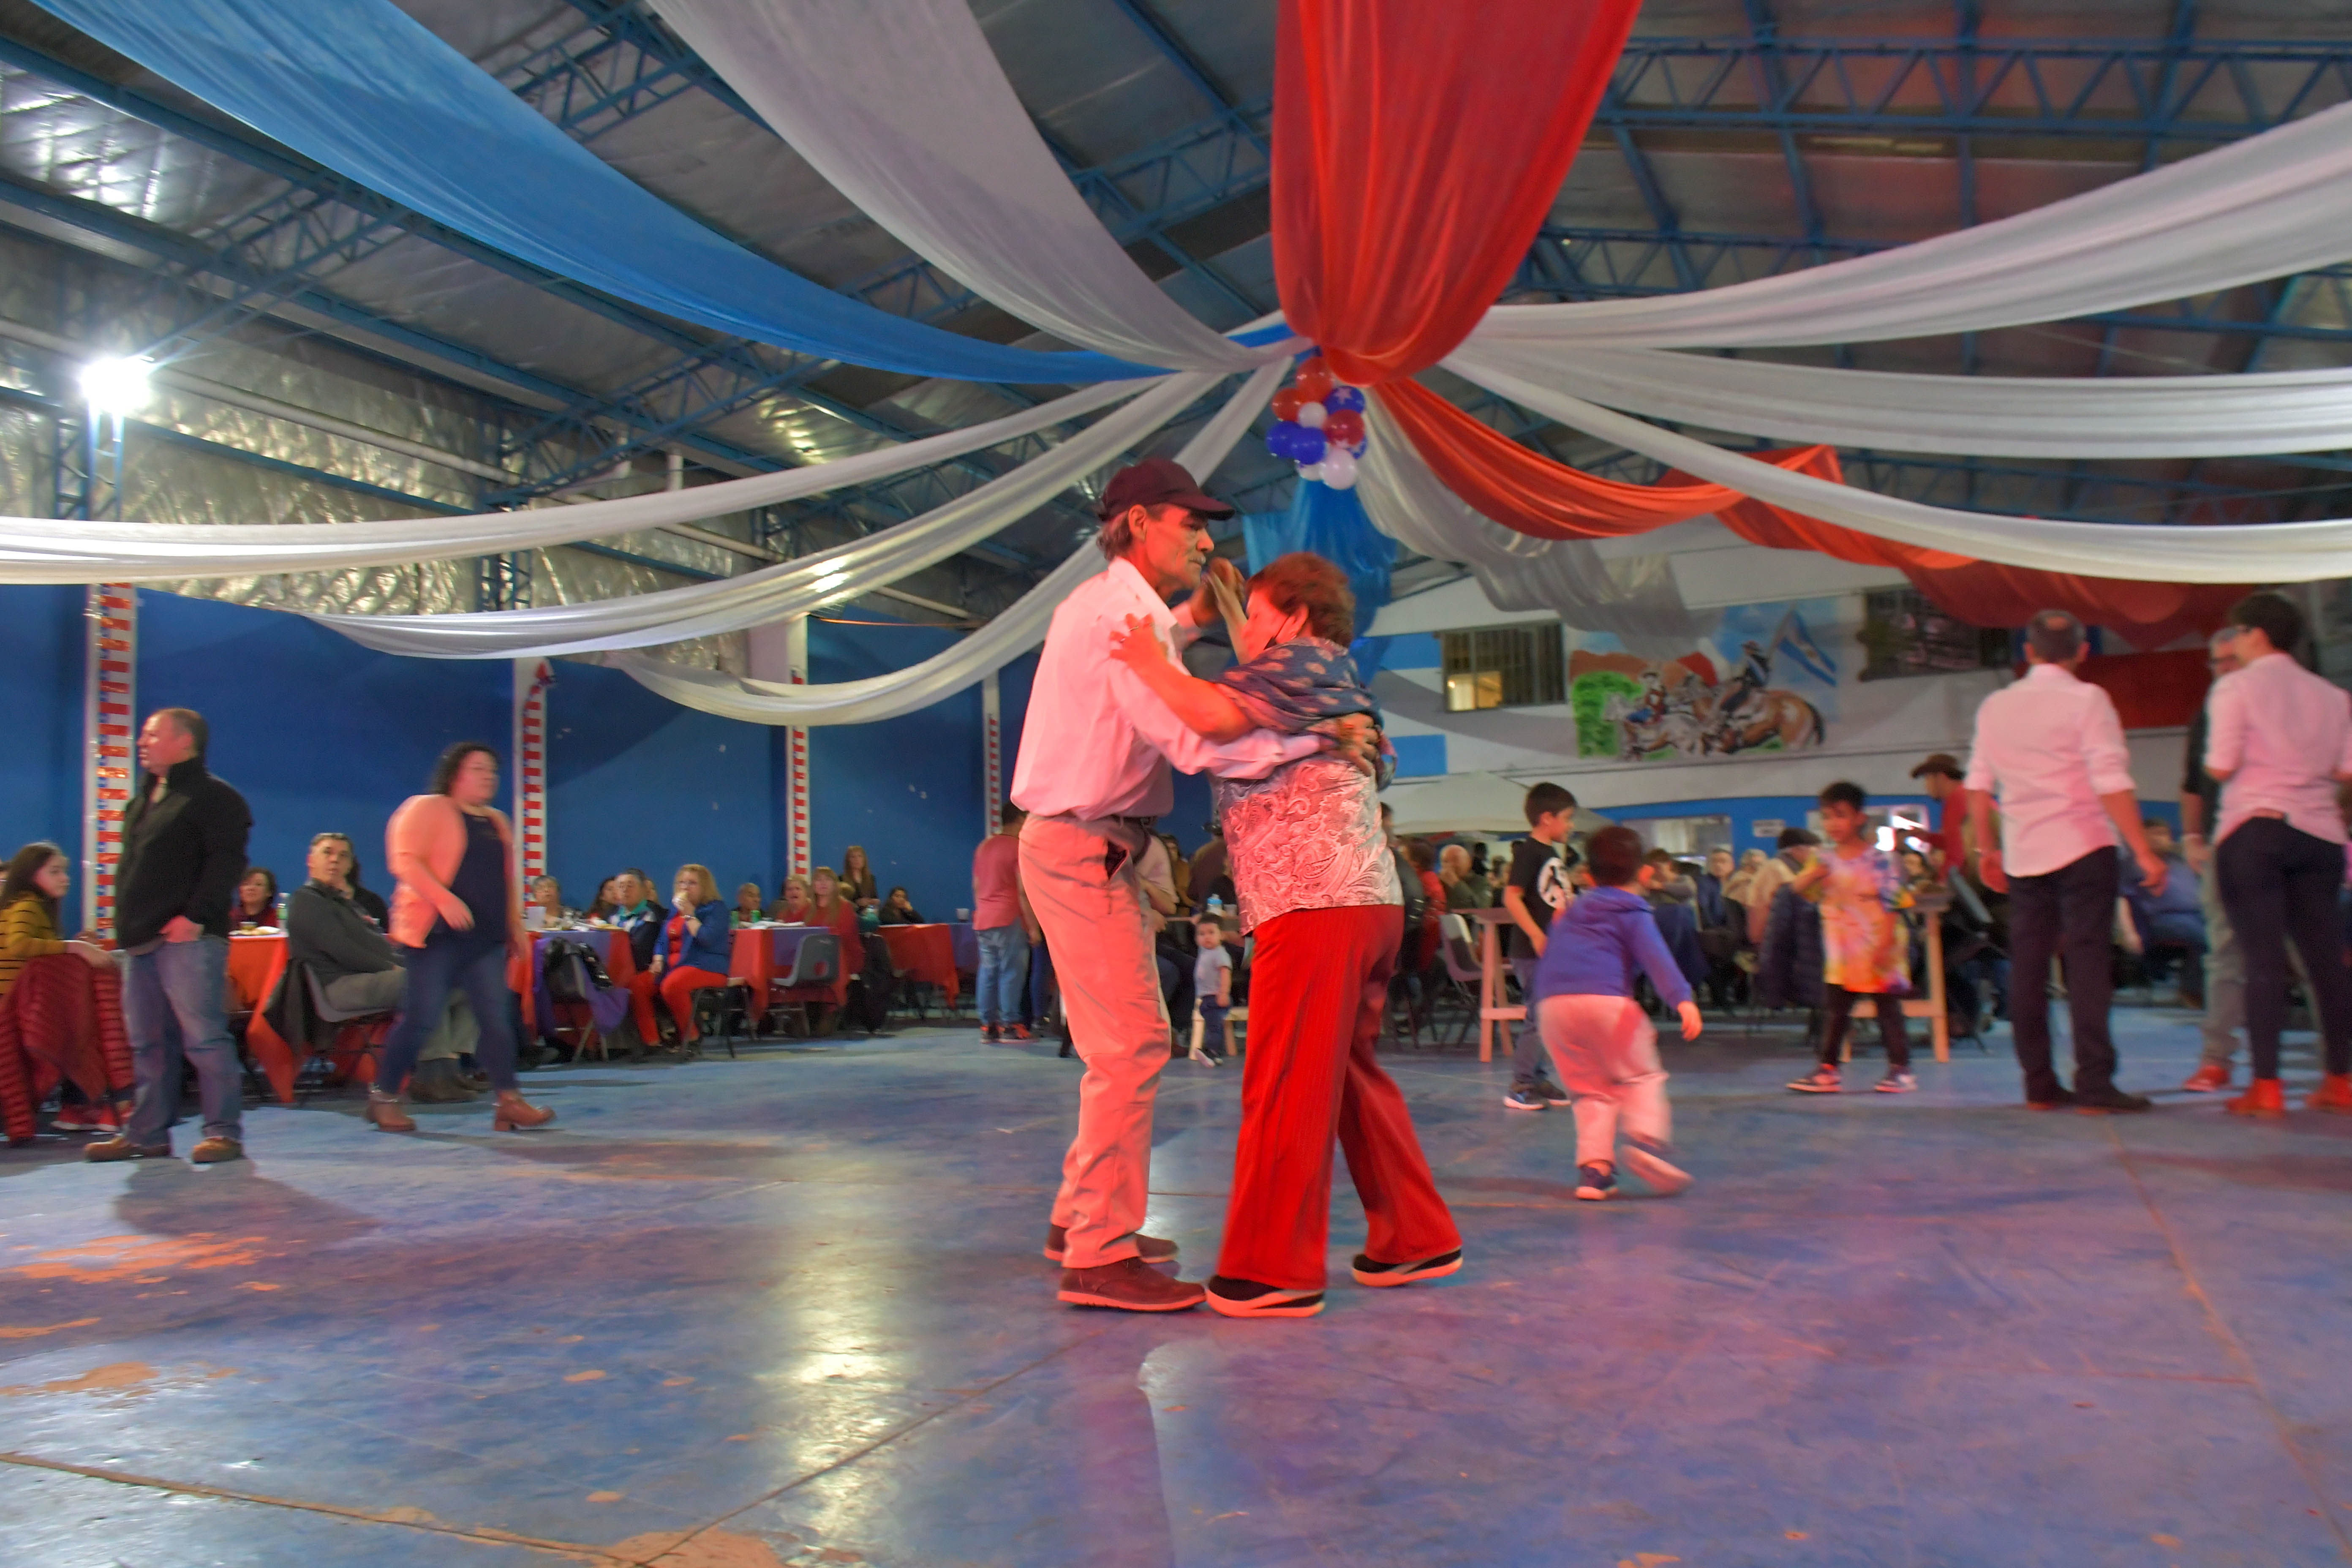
(459, 914)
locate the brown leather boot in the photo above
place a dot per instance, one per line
(1150, 1248)
(385, 1110)
(1131, 1285)
(2333, 1094)
(2264, 1097)
(516, 1114)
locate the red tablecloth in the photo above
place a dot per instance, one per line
(925, 952)
(255, 967)
(620, 963)
(763, 953)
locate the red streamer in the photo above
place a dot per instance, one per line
(1532, 494)
(1417, 149)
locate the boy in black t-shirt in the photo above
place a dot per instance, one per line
(1537, 889)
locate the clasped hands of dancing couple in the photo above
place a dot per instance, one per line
(1291, 739)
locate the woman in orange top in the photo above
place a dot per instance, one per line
(459, 914)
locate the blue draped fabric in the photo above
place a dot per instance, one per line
(360, 87)
(1332, 524)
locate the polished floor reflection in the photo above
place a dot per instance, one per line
(791, 1310)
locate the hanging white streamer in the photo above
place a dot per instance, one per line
(2259, 553)
(995, 645)
(904, 109)
(1967, 416)
(68, 550)
(2264, 207)
(793, 588)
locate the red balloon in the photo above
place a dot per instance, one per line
(1314, 379)
(1343, 427)
(1287, 402)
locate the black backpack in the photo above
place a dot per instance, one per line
(1416, 897)
(574, 974)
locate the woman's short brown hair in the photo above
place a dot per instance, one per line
(1304, 579)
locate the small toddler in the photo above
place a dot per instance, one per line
(1212, 989)
(1601, 1041)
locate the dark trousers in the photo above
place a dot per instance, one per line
(1837, 1016)
(478, 966)
(2279, 882)
(2067, 913)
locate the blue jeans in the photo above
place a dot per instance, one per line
(171, 1003)
(469, 963)
(1003, 973)
(1527, 1048)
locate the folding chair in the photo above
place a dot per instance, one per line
(357, 1033)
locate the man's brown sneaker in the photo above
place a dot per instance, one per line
(1150, 1248)
(216, 1151)
(1131, 1285)
(108, 1150)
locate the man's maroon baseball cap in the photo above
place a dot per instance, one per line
(1156, 481)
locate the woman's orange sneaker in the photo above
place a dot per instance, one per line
(2333, 1094)
(2209, 1078)
(2265, 1098)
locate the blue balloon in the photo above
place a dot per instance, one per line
(1344, 397)
(1308, 446)
(1277, 439)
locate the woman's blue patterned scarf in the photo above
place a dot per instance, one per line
(1304, 685)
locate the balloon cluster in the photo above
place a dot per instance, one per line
(1322, 426)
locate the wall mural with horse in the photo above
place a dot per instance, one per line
(1762, 683)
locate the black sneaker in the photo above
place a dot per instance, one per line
(2111, 1102)
(2059, 1099)
(988, 1034)
(1549, 1092)
(1595, 1182)
(1248, 1298)
(1823, 1080)
(1523, 1096)
(1380, 1276)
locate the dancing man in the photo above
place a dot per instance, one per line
(1093, 776)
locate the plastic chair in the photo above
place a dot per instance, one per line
(817, 963)
(1464, 976)
(716, 1008)
(357, 1031)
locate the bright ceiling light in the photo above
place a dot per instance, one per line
(116, 386)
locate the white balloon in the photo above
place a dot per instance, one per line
(1339, 470)
(1312, 415)
(1310, 471)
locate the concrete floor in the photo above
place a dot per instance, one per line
(791, 1310)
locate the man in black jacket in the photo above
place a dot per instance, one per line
(184, 835)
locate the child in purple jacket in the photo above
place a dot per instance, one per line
(1599, 1039)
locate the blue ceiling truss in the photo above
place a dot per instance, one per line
(1959, 97)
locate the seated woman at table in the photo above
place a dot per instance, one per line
(858, 878)
(899, 909)
(360, 970)
(547, 897)
(747, 905)
(791, 907)
(31, 895)
(606, 906)
(696, 945)
(256, 900)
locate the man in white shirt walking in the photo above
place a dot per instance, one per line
(2052, 745)
(2279, 741)
(1093, 775)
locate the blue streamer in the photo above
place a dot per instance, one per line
(1332, 524)
(363, 89)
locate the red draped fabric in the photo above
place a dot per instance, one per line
(61, 1021)
(1532, 494)
(1417, 149)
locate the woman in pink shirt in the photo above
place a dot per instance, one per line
(2279, 740)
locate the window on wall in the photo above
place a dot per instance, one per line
(1686, 837)
(1503, 667)
(1904, 634)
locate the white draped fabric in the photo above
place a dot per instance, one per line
(69, 549)
(1638, 599)
(995, 645)
(1967, 416)
(2259, 553)
(793, 588)
(904, 109)
(2264, 207)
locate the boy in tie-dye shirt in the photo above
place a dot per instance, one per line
(1865, 946)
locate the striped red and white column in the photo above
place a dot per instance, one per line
(110, 723)
(533, 677)
(992, 741)
(798, 859)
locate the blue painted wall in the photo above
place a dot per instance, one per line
(636, 780)
(40, 714)
(316, 731)
(908, 789)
